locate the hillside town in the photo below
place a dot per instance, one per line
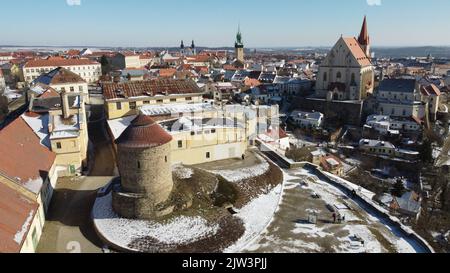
(194, 149)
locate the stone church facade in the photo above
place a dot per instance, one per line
(347, 73)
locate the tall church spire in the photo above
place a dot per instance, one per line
(364, 39)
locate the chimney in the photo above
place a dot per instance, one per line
(65, 104)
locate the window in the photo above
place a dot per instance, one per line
(208, 155)
(119, 105)
(159, 101)
(165, 158)
(80, 88)
(138, 164)
(63, 89)
(146, 102)
(213, 131)
(180, 144)
(339, 75)
(58, 145)
(173, 100)
(325, 76)
(188, 98)
(192, 133)
(133, 105)
(72, 89)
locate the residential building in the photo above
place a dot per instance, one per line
(332, 165)
(21, 221)
(347, 72)
(5, 57)
(308, 120)
(87, 69)
(386, 149)
(63, 127)
(125, 99)
(385, 125)
(125, 60)
(28, 175)
(400, 98)
(63, 80)
(201, 140)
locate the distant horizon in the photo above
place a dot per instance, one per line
(159, 24)
(212, 47)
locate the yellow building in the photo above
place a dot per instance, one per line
(203, 132)
(64, 118)
(125, 99)
(202, 140)
(28, 176)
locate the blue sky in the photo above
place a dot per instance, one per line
(264, 23)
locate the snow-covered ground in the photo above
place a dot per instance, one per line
(122, 232)
(256, 216)
(244, 173)
(362, 230)
(183, 172)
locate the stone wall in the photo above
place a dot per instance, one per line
(146, 171)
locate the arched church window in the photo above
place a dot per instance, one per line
(339, 75)
(325, 76)
(353, 78)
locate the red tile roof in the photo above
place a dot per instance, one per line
(59, 61)
(324, 162)
(167, 72)
(143, 132)
(16, 215)
(357, 51)
(430, 90)
(24, 158)
(149, 88)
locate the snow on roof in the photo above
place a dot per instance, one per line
(118, 126)
(156, 110)
(39, 124)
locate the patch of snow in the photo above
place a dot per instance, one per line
(256, 216)
(34, 185)
(183, 172)
(244, 173)
(40, 127)
(18, 237)
(122, 232)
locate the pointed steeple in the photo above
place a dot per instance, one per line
(182, 44)
(193, 44)
(239, 42)
(364, 38)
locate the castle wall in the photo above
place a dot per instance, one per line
(146, 171)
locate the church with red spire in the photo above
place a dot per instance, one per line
(347, 73)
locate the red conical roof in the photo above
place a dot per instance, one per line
(364, 38)
(143, 132)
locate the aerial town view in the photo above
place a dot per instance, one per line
(224, 127)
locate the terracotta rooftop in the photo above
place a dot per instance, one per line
(143, 132)
(58, 61)
(16, 214)
(59, 76)
(24, 158)
(149, 88)
(357, 51)
(430, 90)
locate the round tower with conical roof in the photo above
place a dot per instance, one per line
(143, 152)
